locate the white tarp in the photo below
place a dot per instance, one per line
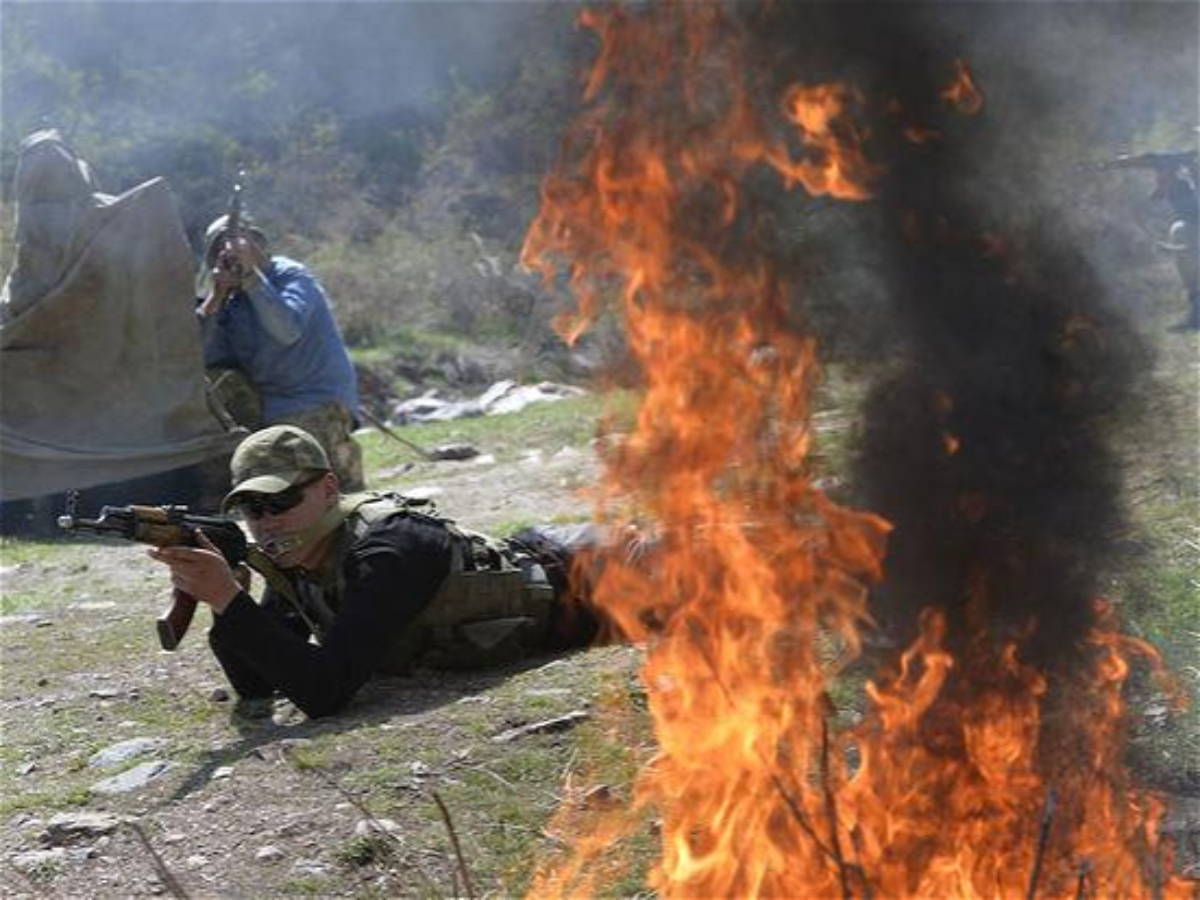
(101, 374)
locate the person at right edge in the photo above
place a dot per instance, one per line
(369, 583)
(266, 320)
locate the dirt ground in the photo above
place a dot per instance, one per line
(284, 807)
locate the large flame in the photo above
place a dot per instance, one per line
(947, 789)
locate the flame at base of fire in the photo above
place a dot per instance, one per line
(945, 789)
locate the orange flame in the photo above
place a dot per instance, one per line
(962, 93)
(944, 789)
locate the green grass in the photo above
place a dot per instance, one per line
(366, 850)
(21, 551)
(305, 886)
(550, 426)
(404, 343)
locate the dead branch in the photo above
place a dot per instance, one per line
(856, 838)
(1085, 869)
(835, 840)
(1048, 811)
(165, 875)
(559, 723)
(462, 863)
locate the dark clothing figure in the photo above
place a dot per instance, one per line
(390, 576)
(364, 584)
(410, 590)
(1177, 185)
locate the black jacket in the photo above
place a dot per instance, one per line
(390, 574)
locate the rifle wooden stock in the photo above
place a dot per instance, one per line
(176, 619)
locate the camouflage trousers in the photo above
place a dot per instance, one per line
(333, 428)
(235, 401)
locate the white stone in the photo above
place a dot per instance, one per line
(137, 777)
(125, 751)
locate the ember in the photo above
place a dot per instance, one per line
(982, 769)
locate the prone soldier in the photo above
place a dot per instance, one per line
(374, 583)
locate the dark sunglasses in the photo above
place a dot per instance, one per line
(255, 506)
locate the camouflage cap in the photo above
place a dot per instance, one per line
(274, 459)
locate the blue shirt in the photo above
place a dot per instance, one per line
(281, 333)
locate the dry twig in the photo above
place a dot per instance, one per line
(1048, 810)
(160, 867)
(835, 840)
(1085, 869)
(462, 863)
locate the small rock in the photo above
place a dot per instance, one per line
(196, 861)
(312, 868)
(34, 862)
(366, 828)
(104, 693)
(269, 853)
(137, 777)
(481, 699)
(532, 458)
(27, 769)
(222, 772)
(174, 837)
(424, 491)
(453, 452)
(43, 681)
(43, 623)
(67, 828)
(220, 695)
(125, 751)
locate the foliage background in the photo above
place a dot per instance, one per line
(395, 147)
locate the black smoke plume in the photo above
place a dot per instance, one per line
(1003, 365)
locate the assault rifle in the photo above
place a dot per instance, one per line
(169, 526)
(227, 257)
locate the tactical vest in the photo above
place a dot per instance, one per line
(493, 607)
